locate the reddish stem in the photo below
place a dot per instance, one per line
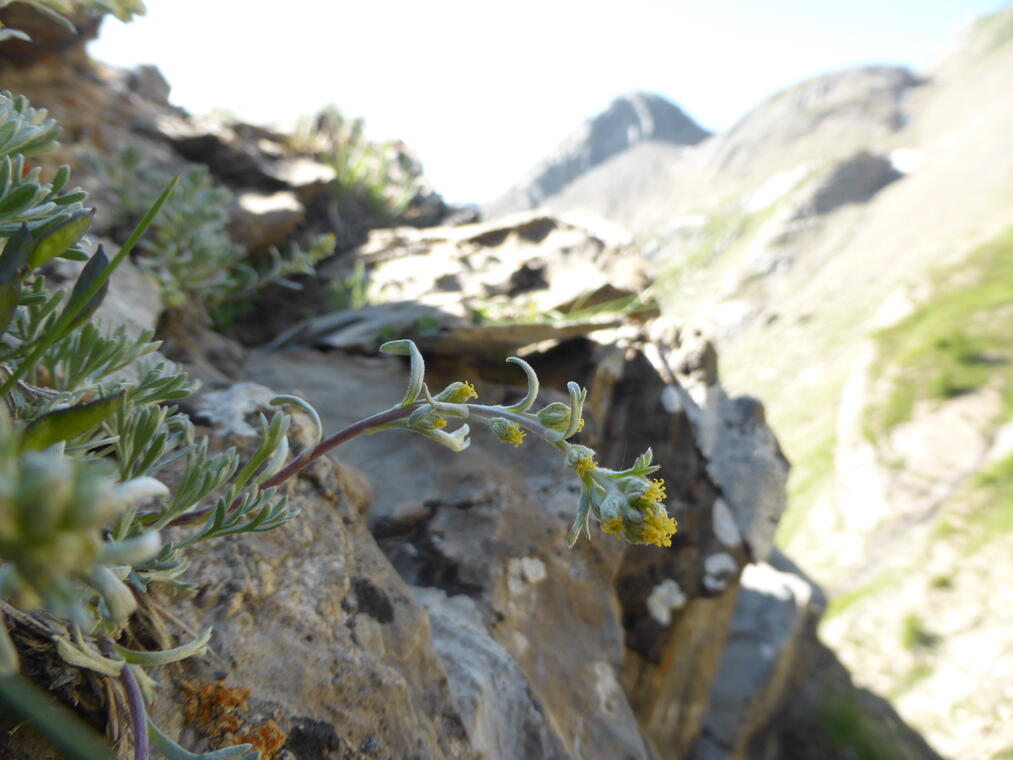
(299, 463)
(135, 703)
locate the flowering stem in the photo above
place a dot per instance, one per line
(342, 436)
(364, 426)
(549, 436)
(299, 463)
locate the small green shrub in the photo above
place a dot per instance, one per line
(849, 727)
(383, 176)
(914, 675)
(914, 635)
(349, 292)
(993, 516)
(188, 249)
(840, 602)
(942, 582)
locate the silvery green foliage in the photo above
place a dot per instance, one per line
(188, 249)
(82, 441)
(58, 10)
(386, 177)
(24, 197)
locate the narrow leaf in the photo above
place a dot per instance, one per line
(59, 239)
(196, 647)
(54, 721)
(10, 290)
(90, 660)
(74, 254)
(18, 198)
(14, 34)
(12, 262)
(64, 424)
(15, 253)
(9, 661)
(92, 271)
(525, 403)
(173, 751)
(417, 367)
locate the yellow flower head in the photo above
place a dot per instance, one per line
(515, 436)
(457, 393)
(655, 494)
(658, 528)
(439, 423)
(507, 431)
(614, 527)
(586, 464)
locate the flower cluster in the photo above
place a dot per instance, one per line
(625, 503)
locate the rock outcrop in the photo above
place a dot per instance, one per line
(561, 652)
(488, 288)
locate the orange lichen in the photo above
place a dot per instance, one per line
(267, 737)
(215, 710)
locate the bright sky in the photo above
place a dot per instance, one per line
(481, 90)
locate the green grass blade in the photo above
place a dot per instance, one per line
(58, 724)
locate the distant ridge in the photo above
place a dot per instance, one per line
(832, 115)
(630, 119)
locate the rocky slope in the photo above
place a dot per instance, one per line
(848, 245)
(424, 604)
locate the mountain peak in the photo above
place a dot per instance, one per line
(629, 119)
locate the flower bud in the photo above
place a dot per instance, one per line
(555, 416)
(580, 458)
(457, 393)
(506, 431)
(425, 418)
